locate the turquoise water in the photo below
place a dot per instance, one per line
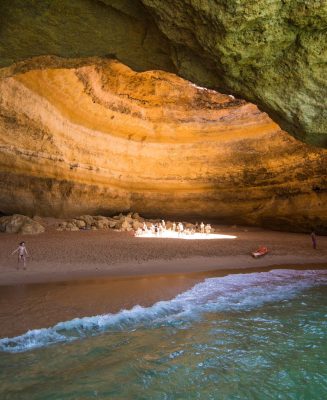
(245, 336)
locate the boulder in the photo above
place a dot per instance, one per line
(70, 225)
(100, 218)
(32, 228)
(138, 217)
(128, 218)
(74, 228)
(123, 225)
(88, 219)
(100, 224)
(112, 224)
(118, 216)
(38, 219)
(79, 223)
(137, 224)
(3, 223)
(13, 223)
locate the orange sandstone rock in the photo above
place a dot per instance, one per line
(102, 138)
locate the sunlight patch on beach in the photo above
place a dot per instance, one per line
(175, 235)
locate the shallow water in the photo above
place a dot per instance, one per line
(245, 336)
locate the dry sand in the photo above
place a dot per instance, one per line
(58, 256)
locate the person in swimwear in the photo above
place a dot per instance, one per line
(22, 253)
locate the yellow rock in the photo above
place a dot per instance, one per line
(102, 138)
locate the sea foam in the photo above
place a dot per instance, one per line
(235, 292)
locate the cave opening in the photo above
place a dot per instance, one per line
(149, 142)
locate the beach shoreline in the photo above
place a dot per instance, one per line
(38, 305)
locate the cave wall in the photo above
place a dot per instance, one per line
(100, 138)
(271, 53)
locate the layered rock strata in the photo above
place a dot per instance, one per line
(100, 139)
(273, 53)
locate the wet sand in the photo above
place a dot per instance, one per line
(40, 305)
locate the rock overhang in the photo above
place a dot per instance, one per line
(273, 55)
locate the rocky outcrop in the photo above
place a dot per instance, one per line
(20, 224)
(123, 223)
(271, 53)
(101, 138)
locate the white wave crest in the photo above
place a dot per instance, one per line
(233, 292)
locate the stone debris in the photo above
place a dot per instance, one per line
(21, 224)
(131, 222)
(120, 222)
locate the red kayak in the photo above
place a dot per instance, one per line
(261, 251)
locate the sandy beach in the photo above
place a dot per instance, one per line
(60, 256)
(85, 273)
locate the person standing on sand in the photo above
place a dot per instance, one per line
(314, 240)
(22, 254)
(208, 229)
(202, 227)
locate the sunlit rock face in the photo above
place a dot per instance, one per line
(102, 138)
(273, 53)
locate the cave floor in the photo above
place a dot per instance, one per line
(60, 256)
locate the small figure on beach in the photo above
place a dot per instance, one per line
(22, 254)
(174, 226)
(202, 227)
(180, 228)
(163, 223)
(314, 240)
(208, 229)
(196, 227)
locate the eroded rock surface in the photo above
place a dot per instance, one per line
(272, 53)
(100, 139)
(20, 224)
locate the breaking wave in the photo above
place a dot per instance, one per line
(231, 293)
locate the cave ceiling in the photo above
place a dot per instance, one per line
(271, 53)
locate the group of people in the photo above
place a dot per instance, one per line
(160, 228)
